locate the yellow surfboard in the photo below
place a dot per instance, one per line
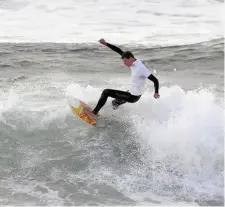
(77, 107)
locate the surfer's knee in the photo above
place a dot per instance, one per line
(105, 92)
(135, 99)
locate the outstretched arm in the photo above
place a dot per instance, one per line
(156, 85)
(113, 47)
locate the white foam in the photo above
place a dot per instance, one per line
(183, 131)
(87, 94)
(120, 21)
(33, 108)
(181, 139)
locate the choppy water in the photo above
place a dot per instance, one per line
(154, 152)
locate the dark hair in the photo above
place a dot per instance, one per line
(127, 55)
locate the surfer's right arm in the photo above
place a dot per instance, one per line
(113, 47)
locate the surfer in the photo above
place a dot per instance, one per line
(139, 74)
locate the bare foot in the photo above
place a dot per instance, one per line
(89, 112)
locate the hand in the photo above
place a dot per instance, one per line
(156, 95)
(102, 41)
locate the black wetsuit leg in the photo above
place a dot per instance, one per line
(121, 97)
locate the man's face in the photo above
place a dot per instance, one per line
(128, 62)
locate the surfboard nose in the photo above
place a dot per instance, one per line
(73, 101)
(76, 102)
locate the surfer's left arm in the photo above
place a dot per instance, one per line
(156, 85)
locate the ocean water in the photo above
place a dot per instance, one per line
(168, 151)
(126, 22)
